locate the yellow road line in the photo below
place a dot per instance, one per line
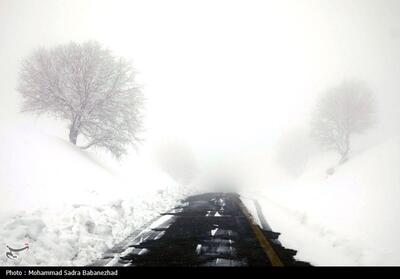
(265, 244)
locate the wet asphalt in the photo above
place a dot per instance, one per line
(205, 230)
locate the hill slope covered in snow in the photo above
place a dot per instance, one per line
(349, 218)
(66, 205)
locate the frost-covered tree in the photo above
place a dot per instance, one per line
(345, 110)
(86, 85)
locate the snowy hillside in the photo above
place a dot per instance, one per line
(67, 205)
(349, 218)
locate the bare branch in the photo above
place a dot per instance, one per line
(345, 110)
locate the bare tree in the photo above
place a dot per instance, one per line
(86, 85)
(345, 110)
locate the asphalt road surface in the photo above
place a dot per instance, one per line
(213, 229)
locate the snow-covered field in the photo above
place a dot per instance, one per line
(66, 204)
(349, 218)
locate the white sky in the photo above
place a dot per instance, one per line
(220, 75)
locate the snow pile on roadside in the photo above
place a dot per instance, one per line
(67, 206)
(349, 218)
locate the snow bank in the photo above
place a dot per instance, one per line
(349, 218)
(66, 205)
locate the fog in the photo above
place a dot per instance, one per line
(224, 80)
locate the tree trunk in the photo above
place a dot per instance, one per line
(345, 153)
(73, 135)
(343, 159)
